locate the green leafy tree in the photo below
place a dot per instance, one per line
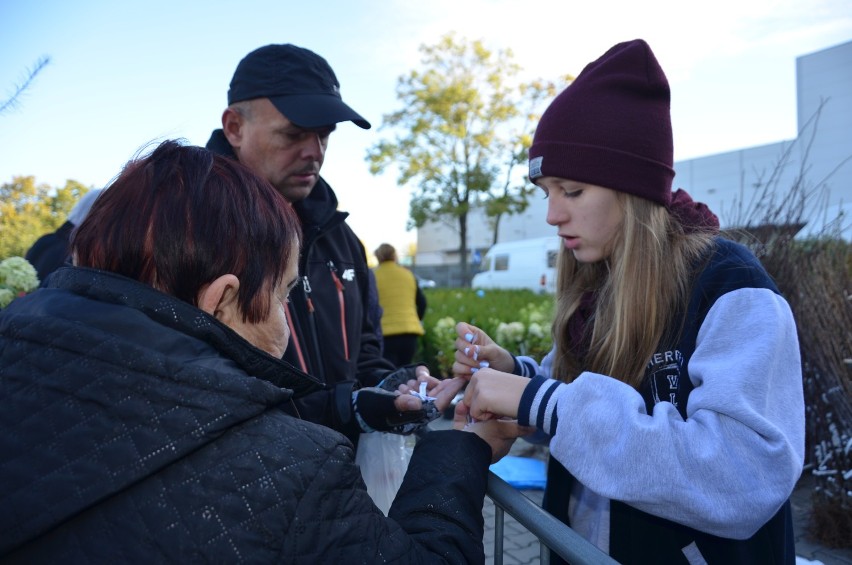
(29, 210)
(462, 130)
(512, 197)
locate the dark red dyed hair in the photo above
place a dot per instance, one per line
(181, 217)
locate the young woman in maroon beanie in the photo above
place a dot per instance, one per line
(672, 398)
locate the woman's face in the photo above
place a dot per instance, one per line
(273, 334)
(586, 216)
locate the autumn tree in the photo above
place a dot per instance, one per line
(464, 127)
(29, 210)
(511, 196)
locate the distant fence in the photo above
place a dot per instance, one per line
(549, 530)
(445, 276)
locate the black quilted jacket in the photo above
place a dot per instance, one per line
(131, 432)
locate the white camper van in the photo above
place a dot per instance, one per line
(528, 263)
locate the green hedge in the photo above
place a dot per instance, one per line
(519, 320)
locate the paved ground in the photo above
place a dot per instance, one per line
(522, 548)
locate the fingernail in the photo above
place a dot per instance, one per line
(468, 337)
(473, 369)
(476, 353)
(466, 350)
(484, 364)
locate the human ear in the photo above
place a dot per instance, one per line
(232, 126)
(220, 299)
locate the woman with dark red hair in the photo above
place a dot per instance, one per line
(143, 397)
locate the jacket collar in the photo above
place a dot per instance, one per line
(218, 144)
(186, 318)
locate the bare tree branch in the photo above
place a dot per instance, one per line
(21, 88)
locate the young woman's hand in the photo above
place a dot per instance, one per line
(493, 394)
(475, 350)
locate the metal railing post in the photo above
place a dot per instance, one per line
(550, 531)
(499, 525)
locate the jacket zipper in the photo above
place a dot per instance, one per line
(295, 338)
(312, 323)
(342, 301)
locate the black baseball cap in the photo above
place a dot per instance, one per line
(298, 82)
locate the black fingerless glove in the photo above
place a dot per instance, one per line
(375, 412)
(400, 376)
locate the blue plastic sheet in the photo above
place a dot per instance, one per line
(521, 472)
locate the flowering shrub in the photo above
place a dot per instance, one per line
(518, 320)
(444, 336)
(529, 334)
(17, 277)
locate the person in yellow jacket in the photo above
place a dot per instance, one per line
(403, 305)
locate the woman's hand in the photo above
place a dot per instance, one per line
(499, 434)
(493, 394)
(475, 351)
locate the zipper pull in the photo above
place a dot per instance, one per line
(337, 282)
(306, 286)
(342, 300)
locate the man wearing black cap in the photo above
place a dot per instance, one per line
(284, 101)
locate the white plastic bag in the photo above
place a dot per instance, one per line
(383, 458)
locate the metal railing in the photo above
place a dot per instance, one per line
(549, 530)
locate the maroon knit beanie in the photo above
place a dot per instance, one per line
(611, 127)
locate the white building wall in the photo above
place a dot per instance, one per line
(827, 76)
(438, 242)
(729, 183)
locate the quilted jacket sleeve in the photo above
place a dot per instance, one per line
(436, 517)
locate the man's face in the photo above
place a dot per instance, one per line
(288, 156)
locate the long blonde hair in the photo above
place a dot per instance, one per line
(641, 292)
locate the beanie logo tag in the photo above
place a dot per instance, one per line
(535, 167)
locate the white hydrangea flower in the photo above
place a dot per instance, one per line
(445, 324)
(513, 332)
(6, 297)
(535, 330)
(17, 274)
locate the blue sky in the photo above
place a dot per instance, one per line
(125, 73)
